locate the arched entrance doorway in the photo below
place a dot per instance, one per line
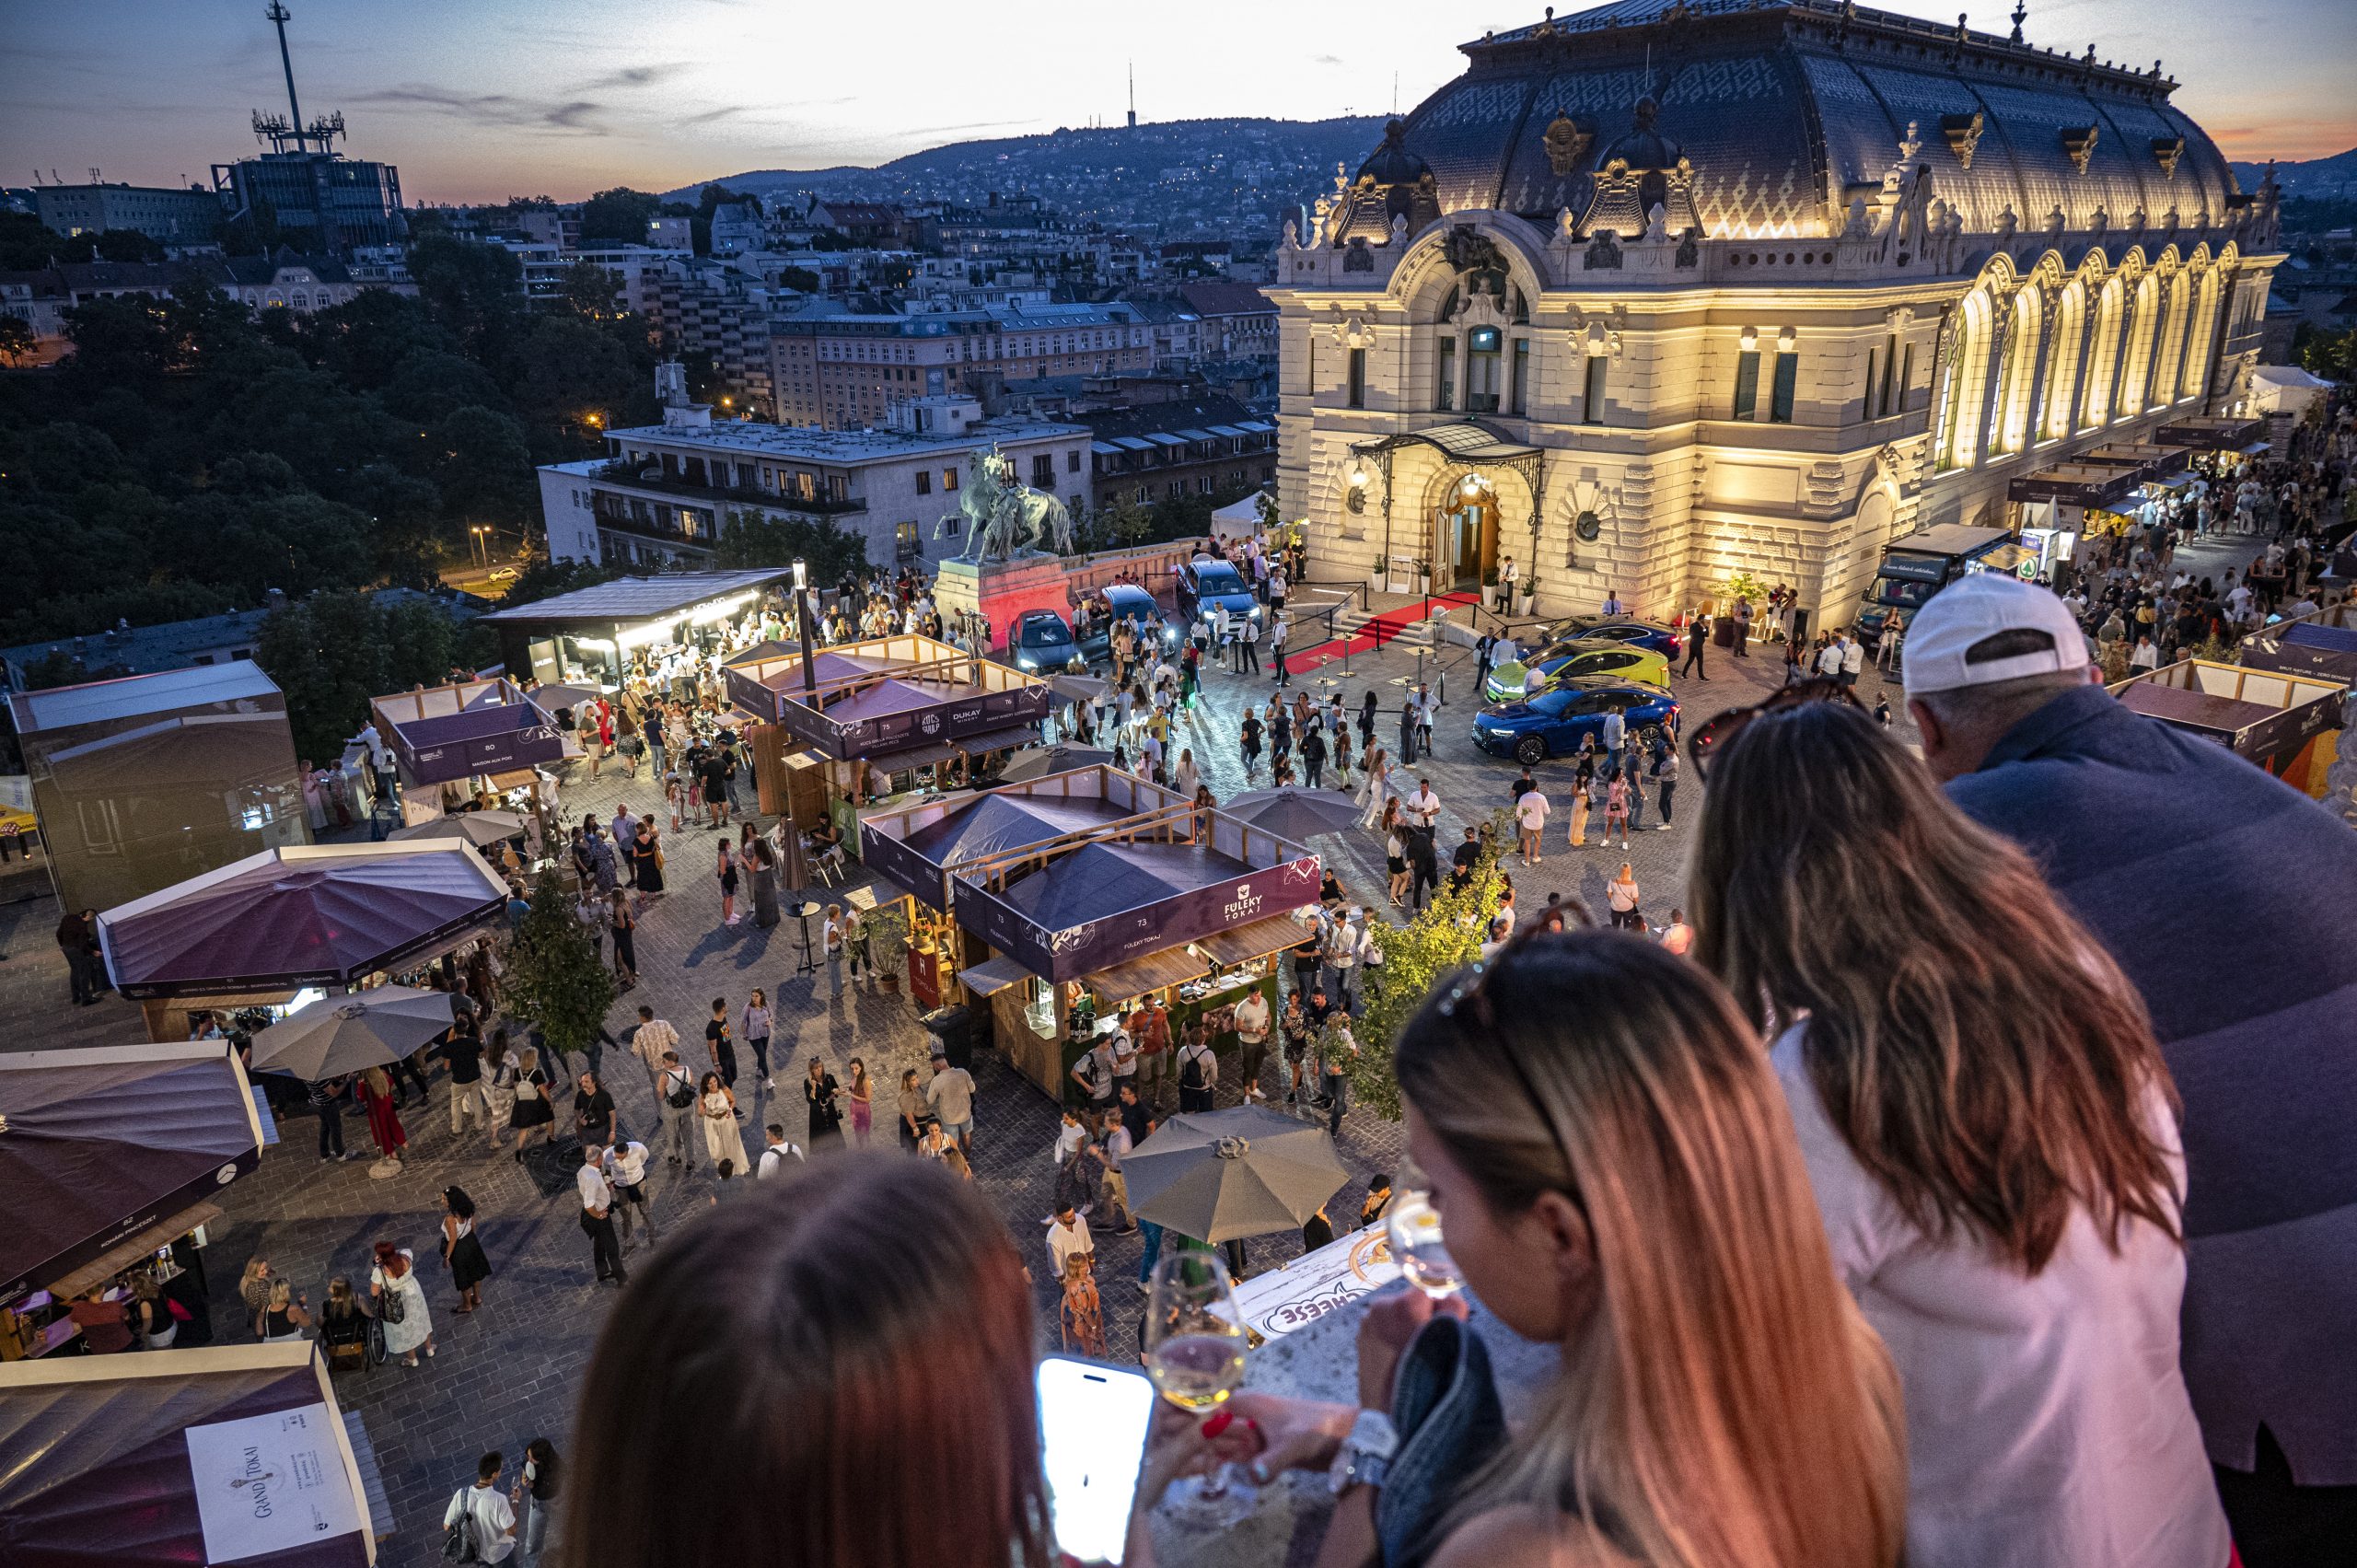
(1467, 529)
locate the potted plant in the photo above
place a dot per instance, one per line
(888, 939)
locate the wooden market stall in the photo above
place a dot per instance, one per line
(1063, 901)
(2287, 723)
(870, 724)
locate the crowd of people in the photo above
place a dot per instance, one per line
(1929, 1206)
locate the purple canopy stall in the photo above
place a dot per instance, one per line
(324, 915)
(103, 1143)
(915, 847)
(222, 1454)
(470, 728)
(889, 695)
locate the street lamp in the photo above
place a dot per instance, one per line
(803, 627)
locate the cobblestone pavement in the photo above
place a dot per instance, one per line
(508, 1373)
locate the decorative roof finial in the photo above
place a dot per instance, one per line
(1646, 109)
(2021, 13)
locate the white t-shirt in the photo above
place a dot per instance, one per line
(1530, 811)
(773, 1159)
(1064, 1241)
(2047, 1419)
(493, 1518)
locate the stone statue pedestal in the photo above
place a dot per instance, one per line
(1000, 591)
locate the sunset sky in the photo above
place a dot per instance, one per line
(478, 99)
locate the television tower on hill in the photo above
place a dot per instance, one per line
(1133, 95)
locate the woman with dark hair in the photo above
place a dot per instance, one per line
(534, 1497)
(1991, 1131)
(820, 1090)
(1619, 1175)
(878, 1375)
(462, 1249)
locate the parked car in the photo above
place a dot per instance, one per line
(1551, 724)
(1652, 635)
(1517, 679)
(1040, 641)
(1124, 599)
(1206, 581)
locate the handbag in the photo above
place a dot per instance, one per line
(395, 1309)
(460, 1542)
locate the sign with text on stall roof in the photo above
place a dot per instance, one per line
(1276, 1303)
(271, 1482)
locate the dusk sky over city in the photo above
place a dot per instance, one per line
(477, 101)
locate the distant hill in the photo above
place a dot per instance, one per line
(2334, 176)
(1172, 175)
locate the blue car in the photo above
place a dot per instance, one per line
(1125, 601)
(1206, 581)
(1652, 634)
(1551, 724)
(1041, 643)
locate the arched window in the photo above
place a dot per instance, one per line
(2017, 381)
(2136, 362)
(2203, 330)
(2184, 295)
(2160, 380)
(1963, 392)
(2103, 355)
(2057, 417)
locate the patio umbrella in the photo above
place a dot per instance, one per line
(1078, 688)
(477, 827)
(337, 1035)
(561, 695)
(794, 872)
(1217, 1174)
(1293, 812)
(1039, 761)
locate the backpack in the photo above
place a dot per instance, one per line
(1191, 1072)
(681, 1095)
(462, 1542)
(395, 1309)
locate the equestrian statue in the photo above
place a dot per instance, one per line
(1005, 519)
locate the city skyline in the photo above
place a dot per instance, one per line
(591, 94)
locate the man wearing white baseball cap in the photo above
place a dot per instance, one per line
(2230, 899)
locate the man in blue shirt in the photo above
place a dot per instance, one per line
(2230, 899)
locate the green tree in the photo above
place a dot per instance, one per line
(328, 655)
(1417, 959)
(26, 243)
(555, 978)
(126, 245)
(588, 289)
(546, 579)
(750, 537)
(1127, 523)
(619, 214)
(481, 465)
(562, 370)
(474, 291)
(2331, 355)
(801, 278)
(16, 342)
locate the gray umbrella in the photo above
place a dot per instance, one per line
(1078, 688)
(477, 827)
(1216, 1175)
(561, 695)
(1039, 761)
(1293, 812)
(337, 1035)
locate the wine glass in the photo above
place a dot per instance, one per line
(1194, 1352)
(1419, 1249)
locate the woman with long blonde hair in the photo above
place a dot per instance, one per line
(1617, 1176)
(1990, 1133)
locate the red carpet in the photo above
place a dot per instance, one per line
(1378, 631)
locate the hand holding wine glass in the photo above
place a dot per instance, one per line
(1194, 1349)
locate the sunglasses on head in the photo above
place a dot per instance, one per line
(1715, 733)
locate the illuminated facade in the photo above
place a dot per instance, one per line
(1674, 288)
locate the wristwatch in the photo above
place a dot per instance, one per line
(1366, 1456)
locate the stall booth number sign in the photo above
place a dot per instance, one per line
(1276, 1303)
(271, 1482)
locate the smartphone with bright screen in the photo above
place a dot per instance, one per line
(1092, 1420)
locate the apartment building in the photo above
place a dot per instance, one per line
(842, 371)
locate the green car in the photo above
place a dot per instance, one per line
(1523, 677)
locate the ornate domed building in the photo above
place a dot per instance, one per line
(1673, 288)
